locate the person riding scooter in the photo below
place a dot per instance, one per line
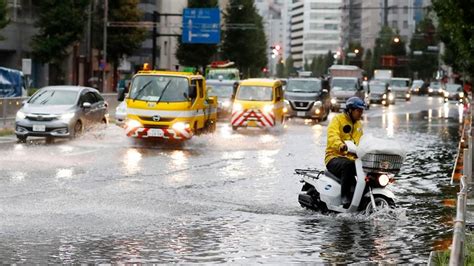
(344, 126)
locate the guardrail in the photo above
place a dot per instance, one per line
(9, 107)
(458, 249)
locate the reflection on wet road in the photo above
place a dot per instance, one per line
(227, 197)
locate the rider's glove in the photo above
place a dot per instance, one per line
(343, 148)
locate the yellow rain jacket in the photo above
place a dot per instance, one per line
(340, 129)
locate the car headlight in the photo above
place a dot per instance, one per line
(67, 117)
(20, 115)
(268, 108)
(286, 102)
(333, 101)
(180, 126)
(238, 107)
(446, 94)
(383, 180)
(132, 123)
(226, 104)
(384, 96)
(430, 90)
(390, 97)
(461, 94)
(318, 104)
(440, 90)
(407, 95)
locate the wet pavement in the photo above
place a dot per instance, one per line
(226, 197)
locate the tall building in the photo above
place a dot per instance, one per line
(351, 22)
(315, 29)
(372, 17)
(271, 12)
(401, 18)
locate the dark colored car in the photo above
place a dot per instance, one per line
(60, 111)
(307, 98)
(380, 93)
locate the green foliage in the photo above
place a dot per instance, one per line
(120, 40)
(3, 15)
(456, 27)
(290, 68)
(198, 55)
(281, 70)
(384, 46)
(247, 46)
(61, 24)
(426, 63)
(357, 59)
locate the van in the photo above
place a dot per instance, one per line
(258, 103)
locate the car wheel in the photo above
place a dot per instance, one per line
(77, 130)
(21, 138)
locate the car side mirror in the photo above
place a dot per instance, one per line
(325, 91)
(121, 95)
(86, 105)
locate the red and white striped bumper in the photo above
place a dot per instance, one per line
(164, 133)
(248, 117)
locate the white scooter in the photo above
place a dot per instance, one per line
(377, 163)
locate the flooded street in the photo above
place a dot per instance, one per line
(226, 197)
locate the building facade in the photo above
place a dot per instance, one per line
(315, 29)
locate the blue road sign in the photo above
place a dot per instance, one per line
(201, 25)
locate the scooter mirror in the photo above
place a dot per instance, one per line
(351, 147)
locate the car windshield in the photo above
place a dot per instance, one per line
(54, 97)
(344, 84)
(399, 83)
(417, 83)
(303, 86)
(222, 74)
(221, 91)
(255, 93)
(152, 87)
(453, 87)
(377, 87)
(434, 84)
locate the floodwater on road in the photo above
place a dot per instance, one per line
(226, 197)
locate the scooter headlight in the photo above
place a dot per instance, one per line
(383, 180)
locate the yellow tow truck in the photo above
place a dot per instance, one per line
(168, 105)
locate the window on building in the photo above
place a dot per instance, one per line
(394, 24)
(405, 24)
(166, 48)
(405, 10)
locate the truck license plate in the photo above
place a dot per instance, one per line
(301, 114)
(40, 128)
(153, 132)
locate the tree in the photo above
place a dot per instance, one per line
(455, 23)
(120, 40)
(3, 16)
(246, 45)
(61, 24)
(426, 63)
(196, 54)
(368, 64)
(385, 45)
(356, 51)
(280, 69)
(290, 68)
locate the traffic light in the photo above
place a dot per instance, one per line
(264, 70)
(275, 50)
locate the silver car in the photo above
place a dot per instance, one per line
(60, 111)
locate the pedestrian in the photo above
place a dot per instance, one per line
(344, 127)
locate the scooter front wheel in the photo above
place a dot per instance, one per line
(381, 202)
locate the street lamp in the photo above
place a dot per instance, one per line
(396, 40)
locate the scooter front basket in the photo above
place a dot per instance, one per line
(384, 163)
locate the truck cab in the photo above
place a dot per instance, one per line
(169, 105)
(346, 83)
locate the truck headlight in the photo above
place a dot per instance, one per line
(180, 126)
(461, 94)
(20, 115)
(430, 90)
(390, 97)
(318, 104)
(384, 96)
(268, 108)
(238, 107)
(407, 95)
(67, 117)
(446, 94)
(440, 90)
(226, 104)
(333, 101)
(132, 123)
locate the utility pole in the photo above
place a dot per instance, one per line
(385, 13)
(104, 58)
(153, 40)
